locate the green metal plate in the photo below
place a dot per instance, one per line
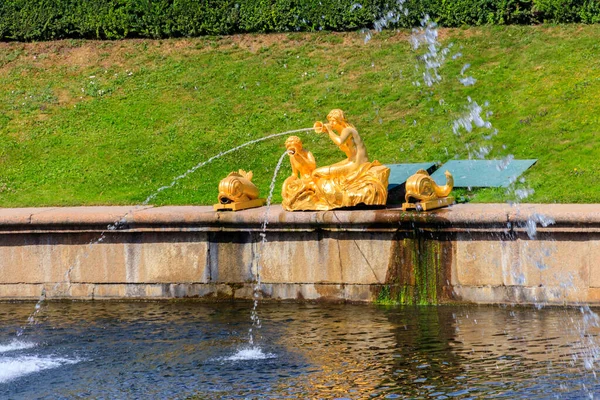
(482, 173)
(399, 173)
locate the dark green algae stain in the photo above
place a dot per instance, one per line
(418, 271)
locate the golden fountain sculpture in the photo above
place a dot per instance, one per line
(237, 192)
(347, 183)
(430, 196)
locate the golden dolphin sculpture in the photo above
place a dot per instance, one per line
(237, 192)
(423, 188)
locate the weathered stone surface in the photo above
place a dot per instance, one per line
(165, 258)
(24, 291)
(481, 262)
(328, 257)
(19, 216)
(111, 291)
(232, 256)
(565, 215)
(478, 253)
(593, 259)
(82, 216)
(554, 264)
(173, 216)
(81, 291)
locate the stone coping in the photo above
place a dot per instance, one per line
(567, 217)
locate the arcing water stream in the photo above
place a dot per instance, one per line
(31, 320)
(202, 164)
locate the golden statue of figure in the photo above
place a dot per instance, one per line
(423, 188)
(237, 192)
(299, 183)
(347, 183)
(302, 160)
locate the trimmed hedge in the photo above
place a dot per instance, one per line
(116, 19)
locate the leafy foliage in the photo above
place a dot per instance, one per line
(28, 20)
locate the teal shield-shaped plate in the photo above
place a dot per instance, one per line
(399, 173)
(482, 173)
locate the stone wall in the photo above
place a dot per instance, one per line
(490, 253)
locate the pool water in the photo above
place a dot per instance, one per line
(179, 350)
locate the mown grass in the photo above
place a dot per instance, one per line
(85, 123)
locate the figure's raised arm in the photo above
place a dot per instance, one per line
(334, 138)
(345, 134)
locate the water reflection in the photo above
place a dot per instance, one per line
(492, 352)
(192, 350)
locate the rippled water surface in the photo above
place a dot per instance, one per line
(181, 350)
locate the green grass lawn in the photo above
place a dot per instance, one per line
(87, 122)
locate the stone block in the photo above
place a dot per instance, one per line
(559, 264)
(593, 252)
(593, 296)
(232, 257)
(224, 291)
(363, 293)
(27, 259)
(330, 292)
(480, 262)
(330, 257)
(110, 291)
(21, 291)
(246, 291)
(155, 291)
(364, 256)
(166, 258)
(81, 291)
(99, 263)
(308, 292)
(297, 257)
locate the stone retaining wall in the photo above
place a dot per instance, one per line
(488, 253)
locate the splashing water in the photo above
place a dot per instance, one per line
(431, 62)
(13, 368)
(467, 80)
(505, 162)
(263, 241)
(475, 118)
(249, 354)
(15, 345)
(591, 350)
(521, 194)
(471, 118)
(535, 219)
(435, 56)
(385, 19)
(31, 320)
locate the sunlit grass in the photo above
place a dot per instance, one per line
(86, 123)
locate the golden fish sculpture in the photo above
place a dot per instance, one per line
(237, 192)
(428, 194)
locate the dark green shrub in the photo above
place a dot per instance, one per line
(115, 19)
(564, 11)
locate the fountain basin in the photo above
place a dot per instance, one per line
(191, 350)
(479, 253)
